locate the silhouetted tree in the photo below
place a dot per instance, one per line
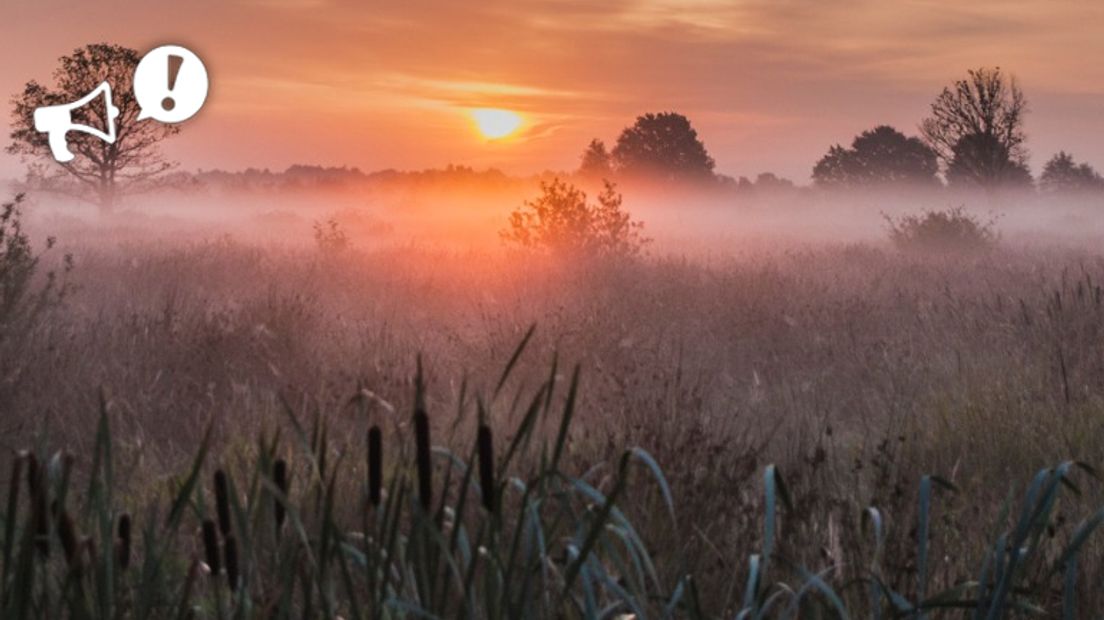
(881, 156)
(662, 146)
(976, 129)
(980, 160)
(771, 181)
(597, 163)
(1063, 174)
(100, 172)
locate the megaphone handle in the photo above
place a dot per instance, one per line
(60, 147)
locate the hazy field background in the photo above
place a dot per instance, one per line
(775, 328)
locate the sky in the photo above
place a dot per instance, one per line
(768, 84)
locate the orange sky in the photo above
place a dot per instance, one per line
(769, 84)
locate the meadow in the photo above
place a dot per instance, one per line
(782, 383)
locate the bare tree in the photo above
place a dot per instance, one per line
(100, 172)
(984, 111)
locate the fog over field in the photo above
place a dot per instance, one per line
(561, 377)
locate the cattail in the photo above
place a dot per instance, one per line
(280, 477)
(485, 447)
(222, 502)
(425, 465)
(13, 486)
(230, 546)
(375, 464)
(67, 532)
(210, 546)
(36, 484)
(122, 543)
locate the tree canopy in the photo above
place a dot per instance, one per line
(664, 147)
(880, 156)
(1063, 174)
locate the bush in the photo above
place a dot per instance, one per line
(950, 231)
(330, 237)
(21, 305)
(563, 222)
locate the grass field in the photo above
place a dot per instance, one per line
(853, 370)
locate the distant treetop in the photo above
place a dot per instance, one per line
(1063, 174)
(880, 156)
(976, 127)
(662, 147)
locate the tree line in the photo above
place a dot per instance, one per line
(973, 138)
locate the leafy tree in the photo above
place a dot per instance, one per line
(100, 172)
(597, 162)
(1063, 174)
(662, 146)
(976, 129)
(880, 156)
(980, 160)
(561, 221)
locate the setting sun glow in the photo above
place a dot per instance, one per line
(495, 123)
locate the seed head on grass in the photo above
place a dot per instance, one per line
(210, 546)
(485, 447)
(230, 547)
(222, 502)
(123, 542)
(375, 465)
(36, 484)
(280, 478)
(421, 442)
(15, 483)
(67, 533)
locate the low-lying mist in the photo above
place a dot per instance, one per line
(774, 327)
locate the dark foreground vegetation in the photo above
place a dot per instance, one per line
(384, 524)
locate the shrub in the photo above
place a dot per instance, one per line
(21, 304)
(949, 231)
(561, 221)
(330, 237)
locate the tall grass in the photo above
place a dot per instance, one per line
(403, 528)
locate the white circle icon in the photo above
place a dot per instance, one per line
(170, 84)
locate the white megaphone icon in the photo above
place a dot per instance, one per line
(57, 120)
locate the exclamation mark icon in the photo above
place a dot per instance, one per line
(168, 103)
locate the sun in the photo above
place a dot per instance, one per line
(495, 123)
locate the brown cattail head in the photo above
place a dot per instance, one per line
(123, 543)
(210, 546)
(485, 448)
(32, 473)
(67, 533)
(36, 484)
(230, 546)
(424, 462)
(375, 465)
(222, 501)
(15, 483)
(280, 477)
